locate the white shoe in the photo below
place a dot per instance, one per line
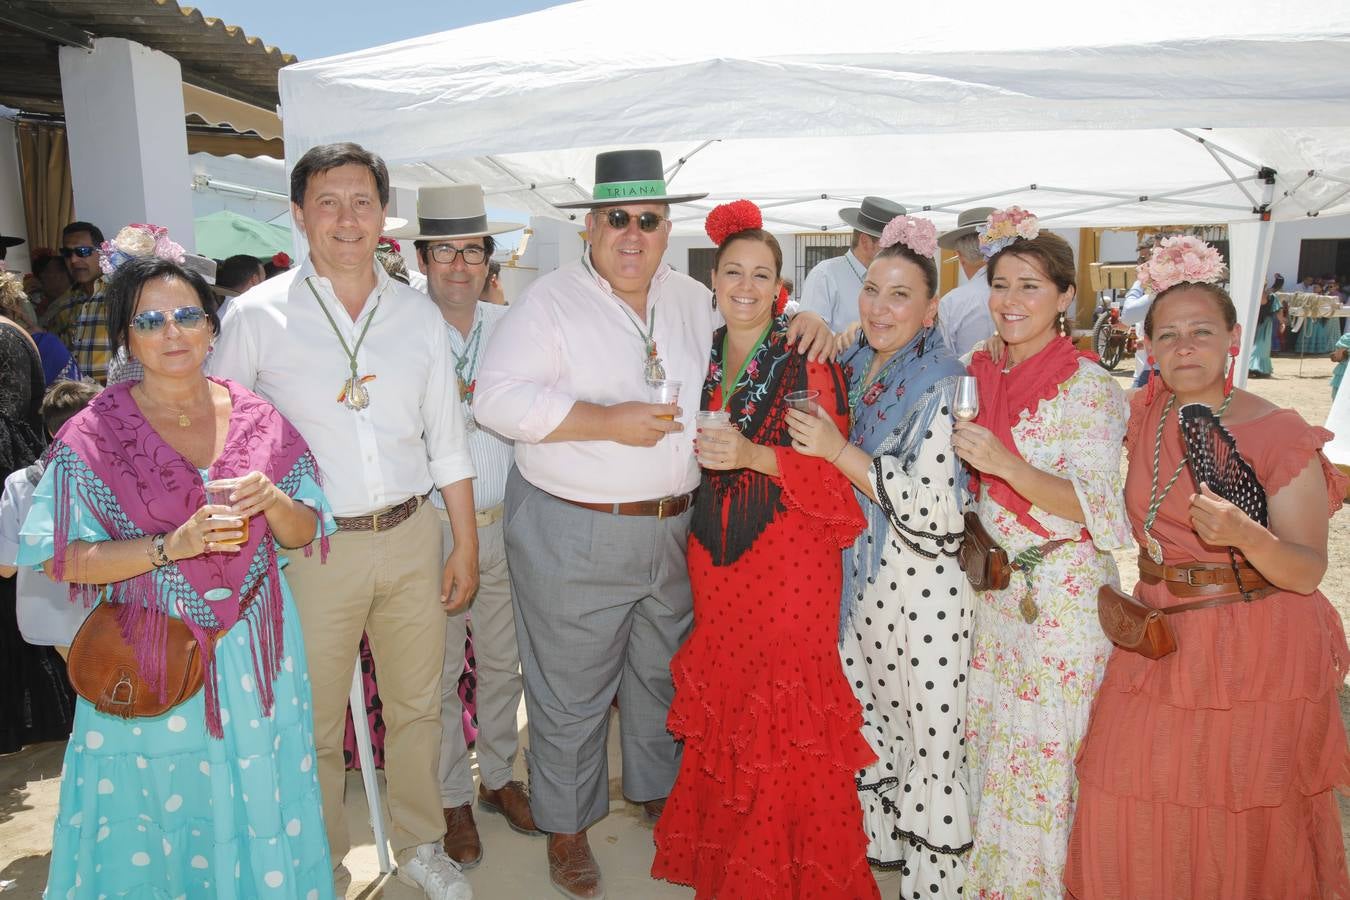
(439, 876)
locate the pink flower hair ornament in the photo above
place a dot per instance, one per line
(135, 241)
(919, 235)
(1180, 259)
(1005, 226)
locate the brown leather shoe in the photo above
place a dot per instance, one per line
(572, 868)
(461, 837)
(654, 808)
(512, 801)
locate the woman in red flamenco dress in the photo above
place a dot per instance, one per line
(764, 805)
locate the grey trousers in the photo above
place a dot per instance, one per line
(602, 604)
(498, 671)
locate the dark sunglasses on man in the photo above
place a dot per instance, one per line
(188, 318)
(82, 251)
(618, 219)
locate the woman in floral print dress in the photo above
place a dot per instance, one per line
(1046, 447)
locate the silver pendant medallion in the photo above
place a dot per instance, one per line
(1154, 548)
(354, 394)
(655, 371)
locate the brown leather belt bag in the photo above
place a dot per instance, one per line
(985, 563)
(1133, 625)
(103, 669)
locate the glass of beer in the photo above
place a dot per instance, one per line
(710, 420)
(666, 392)
(218, 494)
(967, 404)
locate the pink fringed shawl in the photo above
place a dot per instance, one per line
(113, 463)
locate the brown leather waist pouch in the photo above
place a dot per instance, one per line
(103, 669)
(1133, 625)
(982, 559)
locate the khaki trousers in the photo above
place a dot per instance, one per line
(498, 672)
(387, 584)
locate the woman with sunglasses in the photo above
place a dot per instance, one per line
(218, 795)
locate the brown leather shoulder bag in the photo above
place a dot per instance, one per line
(103, 669)
(982, 559)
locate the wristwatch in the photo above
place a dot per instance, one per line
(158, 557)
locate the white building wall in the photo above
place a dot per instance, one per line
(12, 223)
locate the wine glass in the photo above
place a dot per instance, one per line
(967, 405)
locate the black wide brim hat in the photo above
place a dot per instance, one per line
(7, 240)
(872, 216)
(629, 176)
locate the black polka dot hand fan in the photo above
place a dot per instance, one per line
(1214, 460)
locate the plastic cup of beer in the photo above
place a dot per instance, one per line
(218, 494)
(803, 401)
(712, 419)
(666, 392)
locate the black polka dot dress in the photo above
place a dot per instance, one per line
(906, 653)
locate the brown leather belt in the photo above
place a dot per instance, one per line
(664, 508)
(1216, 580)
(382, 520)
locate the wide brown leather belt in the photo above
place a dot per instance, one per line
(1216, 580)
(662, 509)
(382, 520)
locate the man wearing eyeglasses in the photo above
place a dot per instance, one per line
(79, 317)
(454, 242)
(597, 506)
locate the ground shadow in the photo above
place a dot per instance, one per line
(38, 762)
(26, 876)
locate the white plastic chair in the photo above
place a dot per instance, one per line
(366, 752)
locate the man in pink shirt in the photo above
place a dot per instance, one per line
(597, 507)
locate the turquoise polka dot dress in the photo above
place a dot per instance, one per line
(156, 808)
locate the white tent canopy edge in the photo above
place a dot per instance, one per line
(1088, 120)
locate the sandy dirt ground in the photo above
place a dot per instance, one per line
(514, 865)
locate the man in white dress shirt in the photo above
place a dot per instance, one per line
(963, 312)
(361, 365)
(454, 244)
(832, 287)
(597, 507)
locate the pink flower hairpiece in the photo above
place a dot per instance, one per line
(919, 235)
(1005, 226)
(1180, 259)
(137, 240)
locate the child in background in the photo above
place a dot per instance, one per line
(47, 617)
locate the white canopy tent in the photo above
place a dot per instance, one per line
(1234, 112)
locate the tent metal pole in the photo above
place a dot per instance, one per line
(674, 169)
(1332, 202)
(1229, 172)
(441, 172)
(533, 186)
(1289, 192)
(1226, 152)
(1265, 232)
(1338, 180)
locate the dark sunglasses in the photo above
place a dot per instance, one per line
(618, 219)
(81, 252)
(188, 318)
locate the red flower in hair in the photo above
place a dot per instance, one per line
(281, 260)
(729, 218)
(781, 303)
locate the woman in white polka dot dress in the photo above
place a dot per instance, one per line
(905, 621)
(216, 798)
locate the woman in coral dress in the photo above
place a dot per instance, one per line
(764, 805)
(1209, 773)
